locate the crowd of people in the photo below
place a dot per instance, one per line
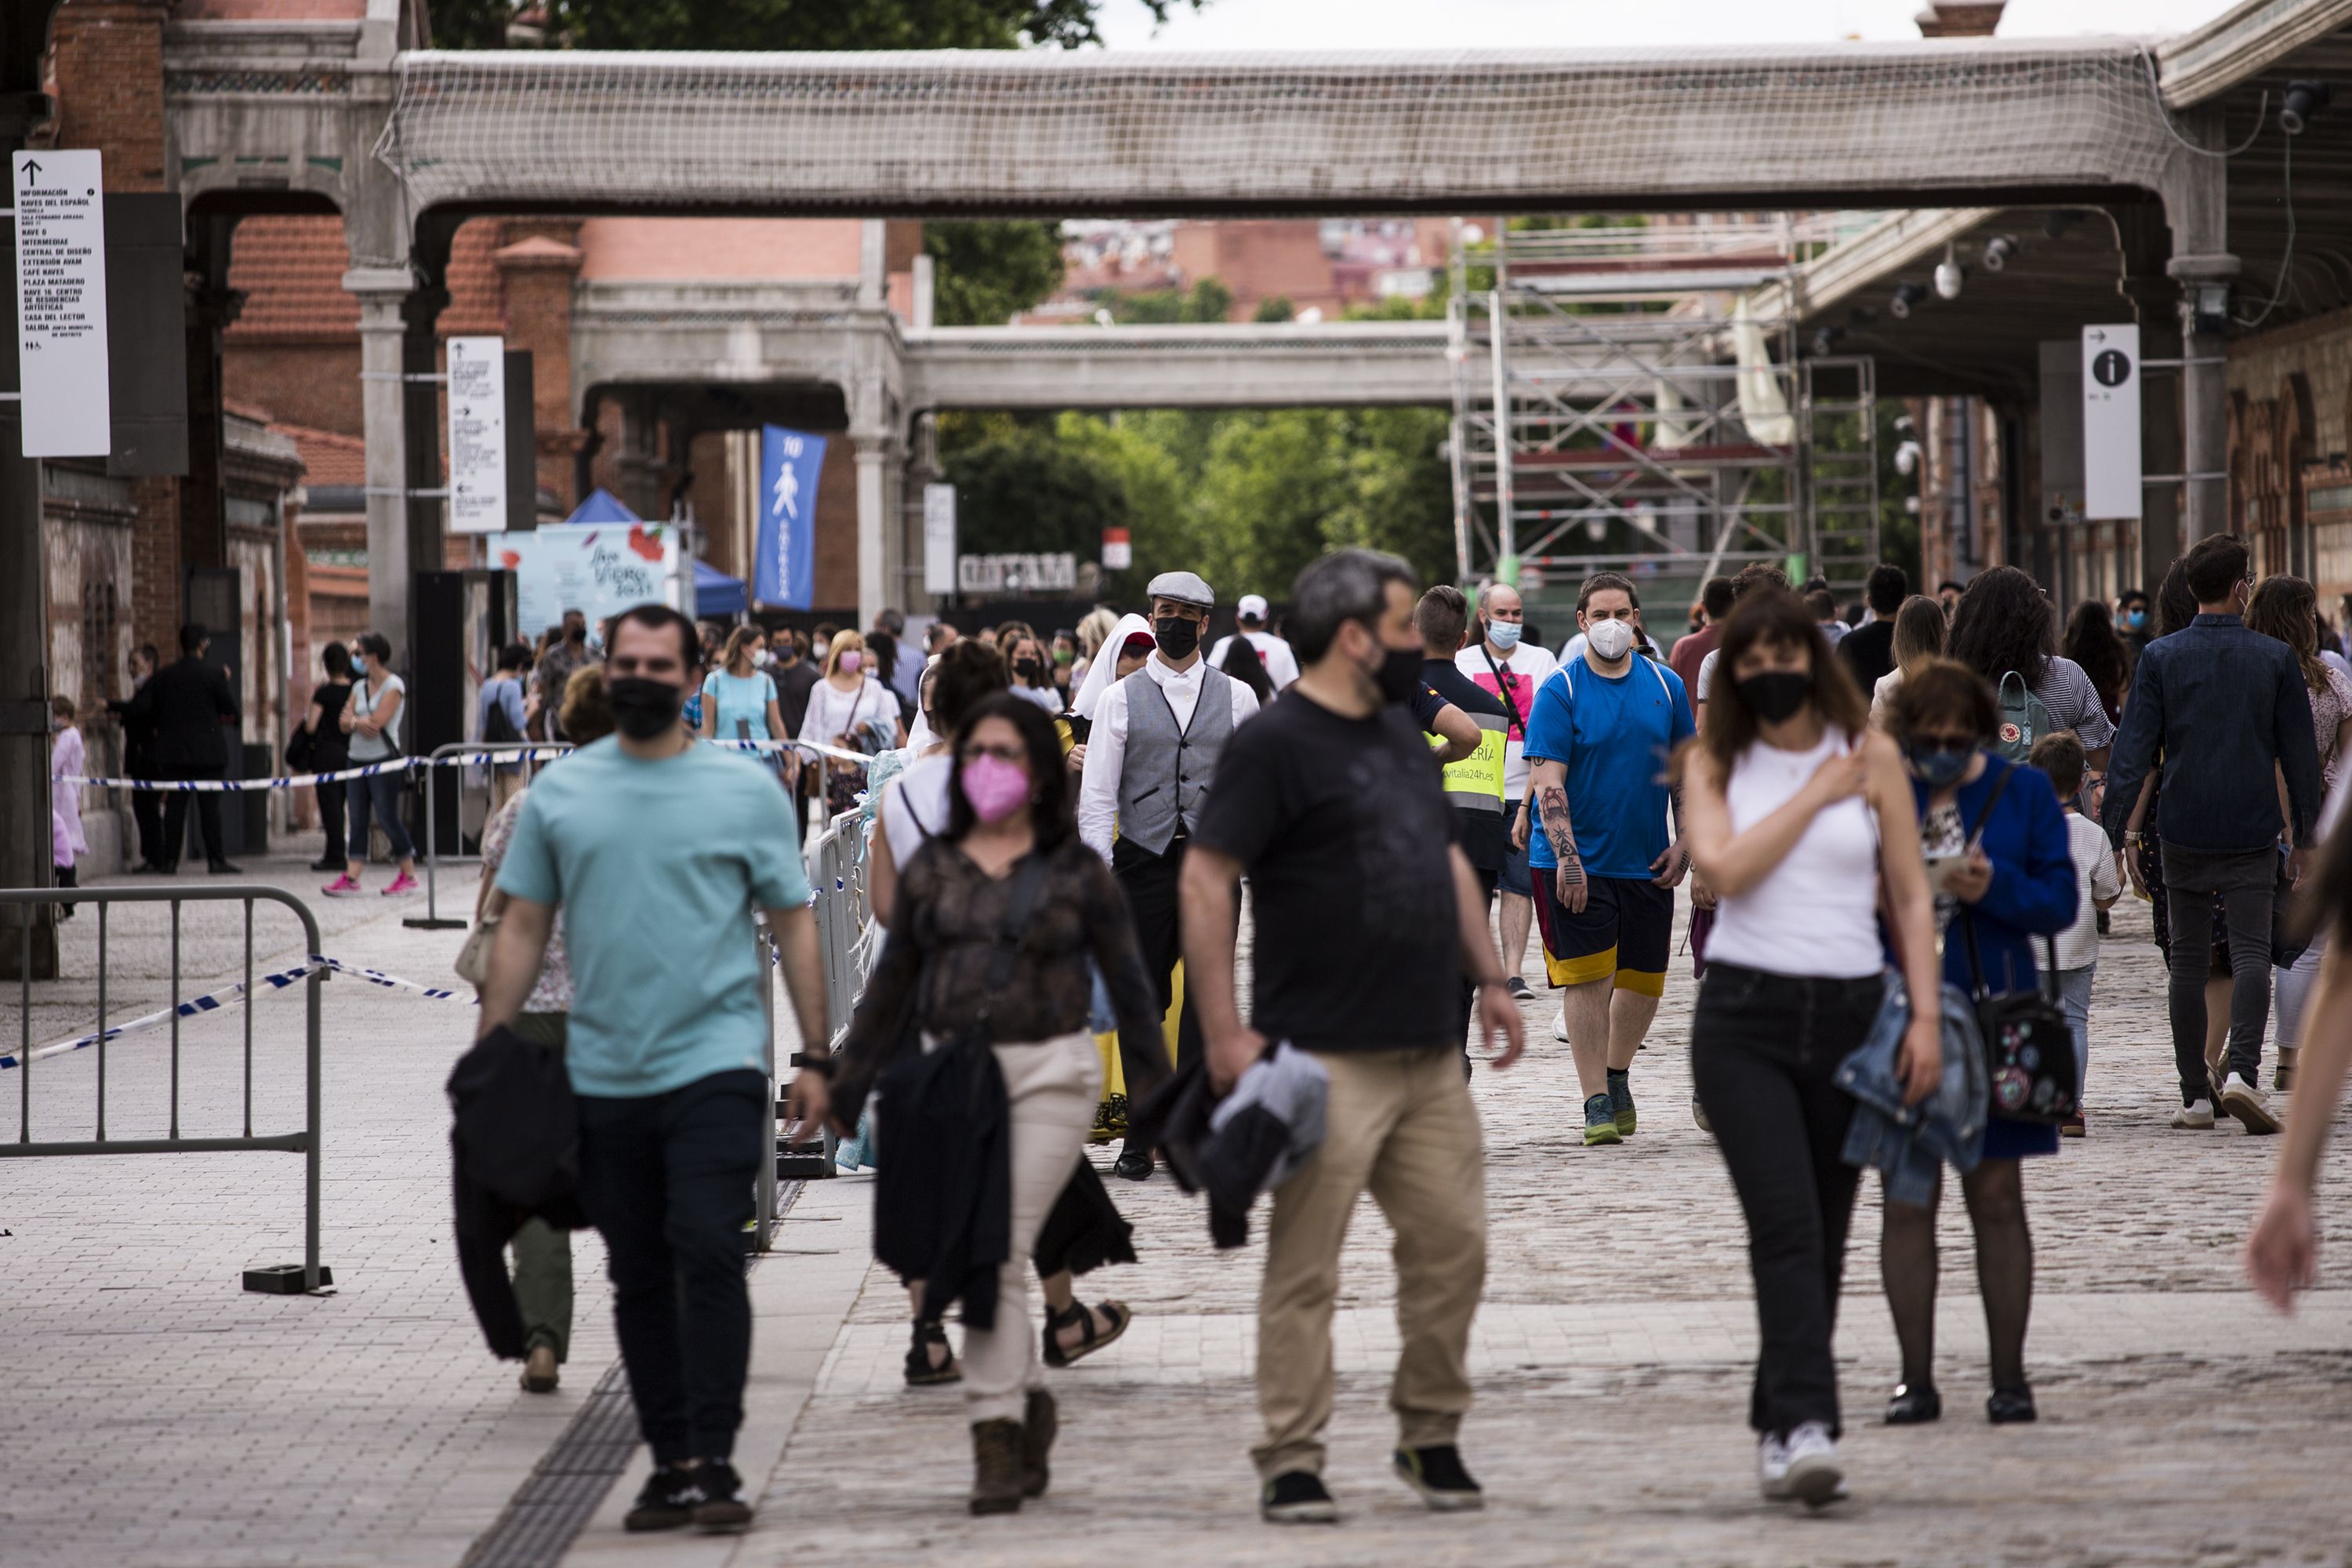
(1942, 798)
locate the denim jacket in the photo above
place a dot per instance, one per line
(1908, 1143)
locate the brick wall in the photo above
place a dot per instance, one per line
(535, 270)
(109, 58)
(314, 384)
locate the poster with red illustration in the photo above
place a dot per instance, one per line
(602, 568)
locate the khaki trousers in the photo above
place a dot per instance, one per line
(1402, 1127)
(1052, 1087)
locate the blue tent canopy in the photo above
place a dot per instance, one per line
(603, 506)
(717, 594)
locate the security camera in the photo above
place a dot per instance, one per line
(1825, 339)
(1999, 251)
(2304, 99)
(1906, 295)
(2055, 224)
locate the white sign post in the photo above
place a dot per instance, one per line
(2111, 452)
(478, 435)
(61, 304)
(939, 539)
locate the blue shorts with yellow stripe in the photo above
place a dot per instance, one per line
(1625, 932)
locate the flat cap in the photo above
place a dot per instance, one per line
(1184, 587)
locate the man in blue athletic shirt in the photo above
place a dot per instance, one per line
(1601, 735)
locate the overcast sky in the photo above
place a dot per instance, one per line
(1587, 23)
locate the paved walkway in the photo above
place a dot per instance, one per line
(158, 1417)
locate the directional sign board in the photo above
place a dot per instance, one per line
(61, 303)
(939, 539)
(478, 436)
(2111, 454)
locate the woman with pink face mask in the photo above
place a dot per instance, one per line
(973, 1035)
(851, 709)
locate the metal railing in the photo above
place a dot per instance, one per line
(305, 1142)
(526, 752)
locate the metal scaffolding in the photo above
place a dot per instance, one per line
(1617, 407)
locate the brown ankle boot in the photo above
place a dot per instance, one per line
(1037, 1428)
(996, 1466)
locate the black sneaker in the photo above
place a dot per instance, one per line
(1515, 987)
(1436, 1473)
(667, 1502)
(1296, 1497)
(722, 1510)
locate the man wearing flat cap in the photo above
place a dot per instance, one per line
(1154, 748)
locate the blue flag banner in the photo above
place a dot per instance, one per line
(790, 462)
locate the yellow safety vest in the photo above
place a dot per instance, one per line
(1476, 783)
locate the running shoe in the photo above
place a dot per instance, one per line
(1620, 1103)
(1559, 1024)
(1601, 1121)
(1437, 1474)
(401, 886)
(2198, 1112)
(1772, 1467)
(1814, 1476)
(1517, 987)
(720, 1509)
(1296, 1497)
(667, 1502)
(342, 887)
(2249, 1105)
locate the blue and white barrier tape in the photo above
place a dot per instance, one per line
(401, 765)
(229, 995)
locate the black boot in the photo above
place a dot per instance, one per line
(1039, 1424)
(996, 1478)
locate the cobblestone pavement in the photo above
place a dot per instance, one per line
(157, 1416)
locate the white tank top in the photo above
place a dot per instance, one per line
(915, 806)
(1816, 913)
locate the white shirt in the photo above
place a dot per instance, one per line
(832, 713)
(1528, 666)
(1281, 664)
(1106, 741)
(2095, 878)
(915, 806)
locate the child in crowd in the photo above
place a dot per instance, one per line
(66, 757)
(2097, 886)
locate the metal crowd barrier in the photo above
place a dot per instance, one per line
(846, 936)
(527, 752)
(279, 1280)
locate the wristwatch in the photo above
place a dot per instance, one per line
(822, 1066)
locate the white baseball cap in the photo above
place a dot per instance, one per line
(1252, 607)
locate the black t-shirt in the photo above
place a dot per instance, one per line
(330, 747)
(1869, 652)
(1485, 835)
(1343, 827)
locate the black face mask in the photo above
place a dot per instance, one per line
(1177, 636)
(1026, 669)
(643, 708)
(1776, 694)
(1400, 673)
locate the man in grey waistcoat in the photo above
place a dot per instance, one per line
(1150, 758)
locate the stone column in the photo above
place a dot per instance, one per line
(922, 469)
(877, 484)
(2204, 390)
(640, 463)
(403, 452)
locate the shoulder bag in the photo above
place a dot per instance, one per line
(2029, 1049)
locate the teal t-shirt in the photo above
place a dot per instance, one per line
(740, 696)
(1616, 737)
(657, 866)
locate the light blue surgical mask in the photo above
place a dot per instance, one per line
(1504, 635)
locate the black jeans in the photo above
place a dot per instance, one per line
(1149, 882)
(2246, 883)
(1763, 1050)
(147, 811)
(208, 822)
(668, 1179)
(330, 821)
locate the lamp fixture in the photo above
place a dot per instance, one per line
(1949, 273)
(1906, 295)
(1825, 338)
(2000, 251)
(2304, 99)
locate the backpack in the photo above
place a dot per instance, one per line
(2023, 719)
(496, 728)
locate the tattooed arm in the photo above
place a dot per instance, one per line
(1549, 781)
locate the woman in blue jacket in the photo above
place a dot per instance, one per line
(2005, 871)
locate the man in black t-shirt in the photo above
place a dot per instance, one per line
(1869, 651)
(1366, 917)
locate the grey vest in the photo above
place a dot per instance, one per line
(1166, 770)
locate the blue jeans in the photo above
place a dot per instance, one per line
(2074, 997)
(379, 792)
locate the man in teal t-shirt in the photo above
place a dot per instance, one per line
(1602, 731)
(658, 849)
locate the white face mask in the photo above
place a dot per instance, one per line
(1611, 640)
(761, 658)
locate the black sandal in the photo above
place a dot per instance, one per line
(921, 1370)
(1059, 1355)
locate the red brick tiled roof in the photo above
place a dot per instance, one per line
(329, 458)
(291, 271)
(269, 10)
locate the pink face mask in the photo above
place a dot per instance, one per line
(851, 661)
(995, 788)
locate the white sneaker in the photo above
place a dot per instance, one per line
(2245, 1102)
(1772, 1467)
(2198, 1112)
(1559, 1027)
(1813, 1475)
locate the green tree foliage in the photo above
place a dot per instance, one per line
(988, 273)
(1275, 308)
(786, 24)
(1206, 300)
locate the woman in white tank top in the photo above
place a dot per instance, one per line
(1791, 806)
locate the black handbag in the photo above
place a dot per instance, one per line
(301, 749)
(2028, 1048)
